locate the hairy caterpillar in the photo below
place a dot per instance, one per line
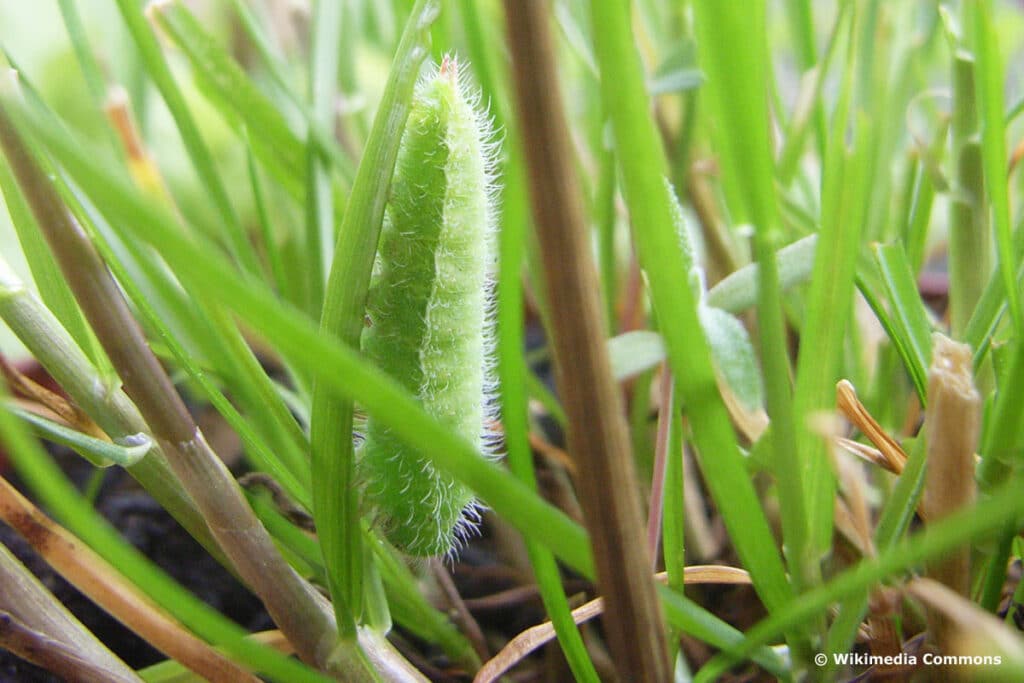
(428, 309)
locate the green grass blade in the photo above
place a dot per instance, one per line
(733, 52)
(916, 233)
(87, 62)
(258, 395)
(991, 306)
(642, 161)
(270, 245)
(969, 231)
(691, 619)
(829, 302)
(912, 333)
(97, 451)
(323, 92)
(993, 144)
(324, 138)
(541, 393)
(1004, 430)
(512, 371)
(809, 110)
(53, 290)
(674, 513)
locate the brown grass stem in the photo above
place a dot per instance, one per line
(598, 435)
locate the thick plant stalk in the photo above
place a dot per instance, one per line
(598, 437)
(952, 424)
(36, 627)
(970, 260)
(292, 603)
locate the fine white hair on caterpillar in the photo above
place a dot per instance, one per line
(431, 310)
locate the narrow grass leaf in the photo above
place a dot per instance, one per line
(270, 243)
(829, 302)
(643, 165)
(97, 451)
(87, 61)
(912, 329)
(993, 303)
(512, 371)
(326, 41)
(993, 141)
(733, 53)
(53, 290)
(1003, 429)
(542, 394)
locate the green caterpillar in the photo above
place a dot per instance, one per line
(429, 311)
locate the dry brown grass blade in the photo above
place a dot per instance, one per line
(885, 640)
(661, 456)
(109, 589)
(850, 407)
(552, 452)
(751, 423)
(869, 454)
(598, 437)
(952, 426)
(852, 481)
(143, 169)
(66, 411)
(534, 637)
(972, 631)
